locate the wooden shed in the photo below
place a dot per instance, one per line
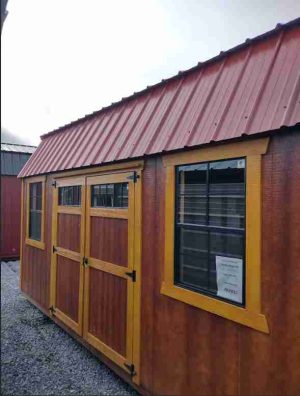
(13, 158)
(163, 231)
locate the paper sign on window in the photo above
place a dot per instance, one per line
(230, 278)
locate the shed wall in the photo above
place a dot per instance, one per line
(10, 216)
(185, 350)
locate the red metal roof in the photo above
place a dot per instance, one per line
(249, 89)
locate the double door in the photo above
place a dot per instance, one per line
(94, 280)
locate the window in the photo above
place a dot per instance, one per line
(213, 230)
(35, 213)
(69, 196)
(109, 195)
(210, 228)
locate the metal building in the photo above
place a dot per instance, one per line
(13, 158)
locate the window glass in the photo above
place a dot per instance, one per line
(69, 196)
(192, 199)
(35, 210)
(110, 195)
(210, 222)
(226, 193)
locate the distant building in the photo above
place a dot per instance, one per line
(3, 12)
(13, 158)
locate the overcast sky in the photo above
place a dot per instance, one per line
(62, 59)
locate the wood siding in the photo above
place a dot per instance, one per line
(109, 241)
(68, 232)
(185, 350)
(107, 309)
(67, 286)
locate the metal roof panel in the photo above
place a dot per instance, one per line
(250, 89)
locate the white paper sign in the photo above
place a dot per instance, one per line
(230, 278)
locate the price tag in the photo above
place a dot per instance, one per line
(230, 278)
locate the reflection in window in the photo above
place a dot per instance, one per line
(109, 195)
(35, 210)
(210, 221)
(69, 196)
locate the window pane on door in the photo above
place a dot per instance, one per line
(109, 195)
(69, 196)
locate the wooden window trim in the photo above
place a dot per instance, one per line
(250, 315)
(32, 242)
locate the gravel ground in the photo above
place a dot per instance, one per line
(38, 358)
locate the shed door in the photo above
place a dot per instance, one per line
(68, 251)
(109, 276)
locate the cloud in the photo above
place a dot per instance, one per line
(62, 59)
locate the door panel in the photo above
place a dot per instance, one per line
(67, 286)
(111, 290)
(106, 231)
(69, 240)
(108, 300)
(68, 252)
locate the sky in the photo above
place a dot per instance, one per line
(62, 59)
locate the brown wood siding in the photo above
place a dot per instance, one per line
(68, 232)
(67, 286)
(107, 309)
(271, 364)
(109, 240)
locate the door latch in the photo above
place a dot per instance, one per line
(85, 262)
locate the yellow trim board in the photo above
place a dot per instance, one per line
(218, 152)
(125, 166)
(221, 308)
(34, 243)
(252, 150)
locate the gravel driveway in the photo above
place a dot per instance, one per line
(38, 358)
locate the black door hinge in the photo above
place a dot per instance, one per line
(131, 369)
(54, 249)
(54, 184)
(85, 262)
(131, 275)
(52, 310)
(133, 177)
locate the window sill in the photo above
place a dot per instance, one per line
(36, 244)
(240, 315)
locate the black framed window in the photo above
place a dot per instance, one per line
(35, 210)
(109, 195)
(210, 228)
(69, 196)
